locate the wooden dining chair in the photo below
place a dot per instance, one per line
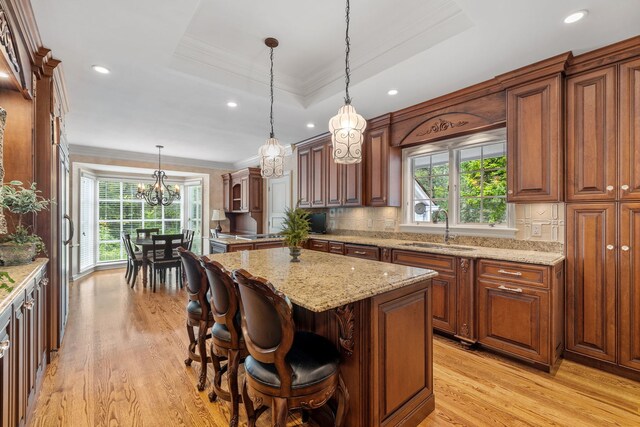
(145, 233)
(188, 238)
(134, 260)
(285, 369)
(227, 342)
(164, 257)
(199, 313)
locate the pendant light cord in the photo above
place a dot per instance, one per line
(271, 113)
(159, 164)
(347, 70)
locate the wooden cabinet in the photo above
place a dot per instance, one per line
(19, 348)
(318, 175)
(534, 142)
(344, 183)
(304, 177)
(520, 310)
(444, 285)
(220, 248)
(383, 165)
(226, 192)
(246, 191)
(6, 367)
(318, 245)
(629, 130)
(629, 276)
(591, 136)
(591, 280)
(240, 247)
(268, 245)
(336, 248)
(362, 251)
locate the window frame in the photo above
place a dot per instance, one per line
(451, 146)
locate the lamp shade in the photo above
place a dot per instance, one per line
(347, 134)
(218, 215)
(271, 159)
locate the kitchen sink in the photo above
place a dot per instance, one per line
(439, 246)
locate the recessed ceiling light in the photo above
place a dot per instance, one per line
(232, 104)
(393, 92)
(100, 69)
(575, 17)
(4, 75)
(310, 125)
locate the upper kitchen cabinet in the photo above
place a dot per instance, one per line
(246, 190)
(629, 129)
(304, 184)
(226, 192)
(534, 141)
(383, 165)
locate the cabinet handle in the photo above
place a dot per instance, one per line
(624, 187)
(510, 192)
(317, 245)
(504, 288)
(624, 248)
(29, 305)
(359, 252)
(4, 346)
(511, 273)
(609, 187)
(610, 247)
(45, 281)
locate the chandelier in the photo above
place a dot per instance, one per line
(158, 193)
(271, 153)
(347, 127)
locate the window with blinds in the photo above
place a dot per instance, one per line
(87, 222)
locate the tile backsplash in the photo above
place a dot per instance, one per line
(542, 222)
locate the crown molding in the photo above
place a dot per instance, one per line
(84, 150)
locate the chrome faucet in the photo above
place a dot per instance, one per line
(435, 217)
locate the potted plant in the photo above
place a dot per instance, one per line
(21, 246)
(296, 230)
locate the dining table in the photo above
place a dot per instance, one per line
(146, 246)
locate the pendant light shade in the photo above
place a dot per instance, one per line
(271, 153)
(347, 127)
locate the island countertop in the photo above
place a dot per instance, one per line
(323, 281)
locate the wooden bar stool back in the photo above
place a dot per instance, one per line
(285, 369)
(198, 313)
(227, 342)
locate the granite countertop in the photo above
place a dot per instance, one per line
(323, 281)
(22, 275)
(234, 241)
(515, 255)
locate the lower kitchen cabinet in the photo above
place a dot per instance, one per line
(520, 310)
(629, 307)
(362, 251)
(220, 248)
(6, 367)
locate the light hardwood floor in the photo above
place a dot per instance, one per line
(121, 364)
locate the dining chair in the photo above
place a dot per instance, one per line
(227, 342)
(164, 257)
(285, 369)
(145, 233)
(198, 313)
(134, 260)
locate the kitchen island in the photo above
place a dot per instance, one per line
(377, 314)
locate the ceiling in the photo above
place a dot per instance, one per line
(175, 65)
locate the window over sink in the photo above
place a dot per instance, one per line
(466, 177)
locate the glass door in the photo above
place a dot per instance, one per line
(193, 213)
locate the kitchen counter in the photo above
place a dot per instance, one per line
(515, 255)
(322, 281)
(22, 275)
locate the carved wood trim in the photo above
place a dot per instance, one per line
(346, 324)
(316, 403)
(7, 40)
(446, 125)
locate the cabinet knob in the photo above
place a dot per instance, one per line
(29, 304)
(45, 281)
(4, 346)
(624, 187)
(610, 247)
(609, 187)
(510, 192)
(624, 248)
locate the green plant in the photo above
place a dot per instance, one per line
(296, 226)
(6, 281)
(21, 201)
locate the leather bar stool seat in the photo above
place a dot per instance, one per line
(313, 359)
(221, 332)
(194, 308)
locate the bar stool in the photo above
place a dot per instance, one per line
(285, 369)
(227, 343)
(198, 313)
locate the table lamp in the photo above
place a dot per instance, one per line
(218, 215)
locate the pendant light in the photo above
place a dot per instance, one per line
(158, 193)
(347, 127)
(271, 153)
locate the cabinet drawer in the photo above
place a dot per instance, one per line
(440, 263)
(319, 245)
(366, 252)
(241, 247)
(268, 245)
(514, 319)
(526, 274)
(336, 248)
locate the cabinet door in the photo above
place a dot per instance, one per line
(629, 130)
(6, 369)
(591, 136)
(514, 319)
(19, 358)
(352, 185)
(31, 342)
(534, 140)
(377, 166)
(629, 312)
(226, 192)
(41, 293)
(244, 194)
(304, 177)
(318, 176)
(334, 181)
(255, 193)
(591, 280)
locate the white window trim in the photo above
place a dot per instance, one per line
(408, 225)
